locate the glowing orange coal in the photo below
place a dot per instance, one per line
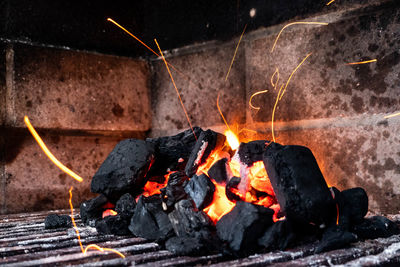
(220, 206)
(109, 212)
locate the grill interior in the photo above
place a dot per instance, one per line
(25, 242)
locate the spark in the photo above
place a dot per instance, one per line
(277, 79)
(176, 89)
(330, 2)
(48, 153)
(91, 246)
(253, 95)
(392, 115)
(234, 54)
(362, 62)
(295, 23)
(222, 115)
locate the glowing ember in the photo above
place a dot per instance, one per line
(220, 206)
(232, 139)
(109, 212)
(259, 178)
(153, 188)
(48, 153)
(92, 246)
(362, 62)
(212, 158)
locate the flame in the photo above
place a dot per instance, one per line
(48, 153)
(91, 246)
(259, 179)
(234, 54)
(392, 115)
(220, 206)
(212, 158)
(294, 23)
(362, 62)
(109, 212)
(153, 188)
(232, 139)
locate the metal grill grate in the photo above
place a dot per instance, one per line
(25, 242)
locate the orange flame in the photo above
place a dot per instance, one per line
(220, 206)
(109, 212)
(362, 62)
(232, 139)
(48, 153)
(91, 246)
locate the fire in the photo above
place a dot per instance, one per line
(153, 188)
(232, 139)
(91, 246)
(109, 212)
(212, 158)
(220, 206)
(48, 153)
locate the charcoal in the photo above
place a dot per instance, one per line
(242, 226)
(113, 225)
(206, 143)
(252, 151)
(230, 185)
(334, 238)
(172, 152)
(201, 190)
(54, 221)
(353, 206)
(187, 246)
(124, 169)
(125, 206)
(175, 190)
(218, 172)
(188, 221)
(374, 227)
(92, 210)
(299, 186)
(279, 236)
(149, 220)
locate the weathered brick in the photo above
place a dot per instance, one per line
(204, 77)
(33, 182)
(324, 86)
(77, 90)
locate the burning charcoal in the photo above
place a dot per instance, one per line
(172, 152)
(279, 236)
(252, 151)
(125, 206)
(149, 220)
(352, 205)
(230, 185)
(374, 227)
(124, 169)
(334, 238)
(53, 221)
(187, 221)
(201, 190)
(186, 246)
(206, 143)
(175, 190)
(217, 172)
(113, 225)
(242, 226)
(300, 188)
(92, 210)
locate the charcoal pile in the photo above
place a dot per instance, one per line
(194, 195)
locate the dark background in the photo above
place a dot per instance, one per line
(82, 25)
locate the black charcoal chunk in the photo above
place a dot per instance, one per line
(242, 226)
(334, 238)
(232, 184)
(124, 169)
(188, 221)
(125, 206)
(206, 143)
(113, 225)
(353, 206)
(54, 221)
(374, 227)
(299, 186)
(172, 152)
(92, 210)
(201, 190)
(252, 151)
(186, 246)
(149, 220)
(218, 172)
(175, 190)
(279, 236)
